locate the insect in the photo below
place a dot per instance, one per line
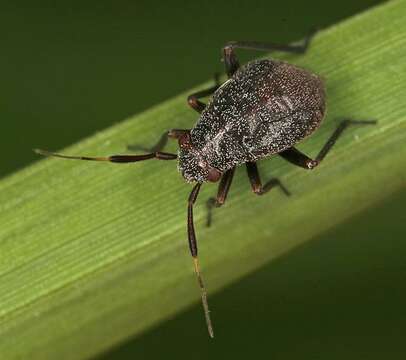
(264, 108)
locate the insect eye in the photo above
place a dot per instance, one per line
(214, 175)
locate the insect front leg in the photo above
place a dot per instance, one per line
(256, 184)
(193, 99)
(231, 61)
(296, 157)
(163, 140)
(222, 193)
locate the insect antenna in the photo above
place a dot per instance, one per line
(204, 297)
(113, 158)
(193, 250)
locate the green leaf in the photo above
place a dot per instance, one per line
(92, 253)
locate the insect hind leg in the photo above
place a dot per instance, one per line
(296, 157)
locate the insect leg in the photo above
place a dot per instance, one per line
(163, 140)
(298, 158)
(231, 61)
(255, 180)
(222, 193)
(113, 158)
(193, 98)
(193, 251)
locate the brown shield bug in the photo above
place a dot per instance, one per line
(264, 108)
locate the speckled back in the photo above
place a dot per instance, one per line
(266, 107)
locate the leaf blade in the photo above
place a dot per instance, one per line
(82, 244)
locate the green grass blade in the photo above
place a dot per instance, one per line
(91, 253)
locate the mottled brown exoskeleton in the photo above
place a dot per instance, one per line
(264, 108)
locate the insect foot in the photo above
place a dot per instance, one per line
(311, 164)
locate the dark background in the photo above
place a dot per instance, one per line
(69, 69)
